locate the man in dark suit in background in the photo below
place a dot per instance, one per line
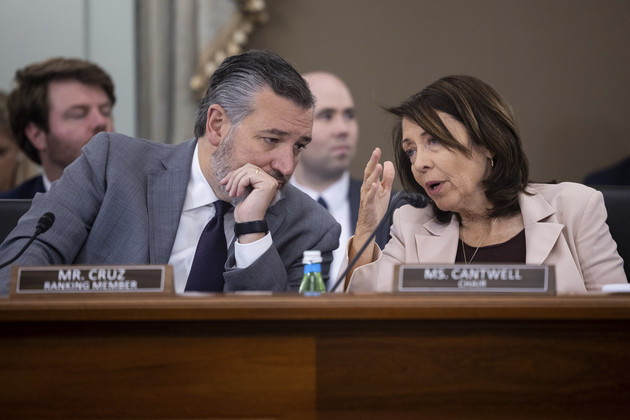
(130, 201)
(324, 169)
(618, 174)
(57, 107)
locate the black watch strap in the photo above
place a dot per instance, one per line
(257, 226)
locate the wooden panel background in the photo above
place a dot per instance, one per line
(152, 370)
(484, 369)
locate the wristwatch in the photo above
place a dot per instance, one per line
(257, 226)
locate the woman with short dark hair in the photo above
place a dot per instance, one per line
(457, 142)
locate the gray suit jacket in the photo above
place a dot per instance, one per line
(120, 203)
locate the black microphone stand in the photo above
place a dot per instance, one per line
(43, 224)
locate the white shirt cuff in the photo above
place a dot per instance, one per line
(246, 254)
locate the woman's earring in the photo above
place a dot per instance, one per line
(491, 163)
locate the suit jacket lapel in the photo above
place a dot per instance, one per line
(536, 211)
(166, 191)
(440, 245)
(275, 216)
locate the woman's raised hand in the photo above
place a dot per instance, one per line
(375, 194)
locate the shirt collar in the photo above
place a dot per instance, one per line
(47, 182)
(198, 193)
(335, 195)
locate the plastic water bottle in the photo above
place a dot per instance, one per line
(312, 282)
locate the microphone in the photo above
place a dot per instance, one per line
(415, 199)
(43, 224)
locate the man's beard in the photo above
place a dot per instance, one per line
(222, 166)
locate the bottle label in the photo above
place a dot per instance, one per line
(312, 268)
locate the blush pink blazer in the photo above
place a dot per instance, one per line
(565, 226)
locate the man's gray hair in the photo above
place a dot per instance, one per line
(240, 77)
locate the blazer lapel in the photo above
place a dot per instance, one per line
(536, 211)
(440, 245)
(165, 197)
(275, 216)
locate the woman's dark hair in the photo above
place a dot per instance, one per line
(490, 124)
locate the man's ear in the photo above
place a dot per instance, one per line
(217, 124)
(36, 135)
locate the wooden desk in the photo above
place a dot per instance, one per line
(331, 357)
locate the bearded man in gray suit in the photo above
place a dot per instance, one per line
(129, 201)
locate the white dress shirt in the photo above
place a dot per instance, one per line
(198, 210)
(336, 197)
(47, 182)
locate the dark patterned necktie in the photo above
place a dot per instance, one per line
(206, 273)
(322, 202)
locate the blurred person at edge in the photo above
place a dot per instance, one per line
(57, 106)
(14, 168)
(457, 143)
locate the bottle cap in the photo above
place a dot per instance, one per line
(311, 257)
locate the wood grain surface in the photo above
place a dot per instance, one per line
(333, 357)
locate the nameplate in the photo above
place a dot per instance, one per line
(91, 280)
(477, 278)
